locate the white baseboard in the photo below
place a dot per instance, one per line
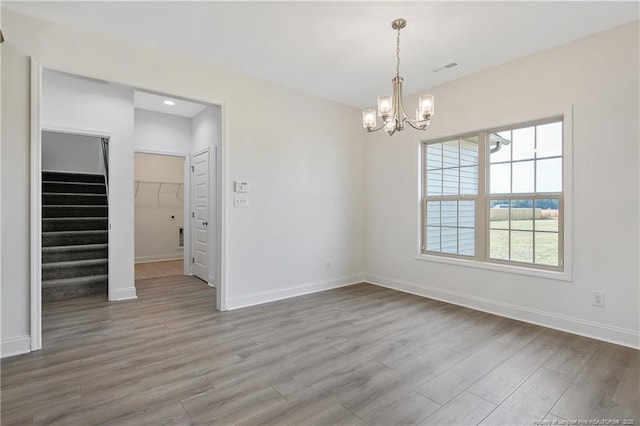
(607, 333)
(212, 282)
(285, 293)
(126, 293)
(15, 346)
(157, 258)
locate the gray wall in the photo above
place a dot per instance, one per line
(63, 152)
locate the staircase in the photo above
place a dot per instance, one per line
(74, 235)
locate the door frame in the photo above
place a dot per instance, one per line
(221, 272)
(37, 127)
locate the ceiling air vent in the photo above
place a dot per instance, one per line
(446, 67)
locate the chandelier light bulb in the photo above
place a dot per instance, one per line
(384, 106)
(369, 118)
(426, 105)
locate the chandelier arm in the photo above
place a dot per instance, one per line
(378, 128)
(411, 123)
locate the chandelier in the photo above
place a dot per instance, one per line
(391, 108)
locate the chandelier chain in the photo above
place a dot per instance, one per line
(398, 53)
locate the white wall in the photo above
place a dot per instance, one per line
(159, 206)
(305, 192)
(90, 106)
(599, 76)
(14, 155)
(158, 132)
(64, 152)
(306, 180)
(207, 128)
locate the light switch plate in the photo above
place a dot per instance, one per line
(240, 201)
(241, 186)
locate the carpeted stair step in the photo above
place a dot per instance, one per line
(79, 252)
(67, 288)
(73, 238)
(74, 211)
(74, 187)
(75, 224)
(55, 199)
(72, 177)
(74, 268)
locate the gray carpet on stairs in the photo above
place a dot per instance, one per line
(74, 235)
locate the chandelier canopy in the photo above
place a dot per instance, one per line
(391, 108)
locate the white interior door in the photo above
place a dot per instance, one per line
(200, 215)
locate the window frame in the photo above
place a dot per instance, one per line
(483, 198)
(460, 197)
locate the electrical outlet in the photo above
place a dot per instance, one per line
(597, 299)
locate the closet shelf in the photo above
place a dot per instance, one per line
(179, 185)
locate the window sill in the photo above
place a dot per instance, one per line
(497, 267)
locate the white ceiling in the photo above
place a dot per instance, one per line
(344, 51)
(153, 102)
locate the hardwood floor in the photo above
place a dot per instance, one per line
(168, 268)
(355, 355)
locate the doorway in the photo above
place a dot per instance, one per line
(74, 215)
(57, 107)
(159, 207)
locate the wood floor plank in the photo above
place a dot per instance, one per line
(410, 410)
(464, 409)
(625, 402)
(335, 415)
(571, 358)
(532, 401)
(299, 411)
(355, 355)
(165, 268)
(598, 383)
(17, 417)
(434, 359)
(110, 405)
(210, 408)
(456, 379)
(508, 376)
(486, 327)
(271, 366)
(388, 396)
(554, 420)
(164, 414)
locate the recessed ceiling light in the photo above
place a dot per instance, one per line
(168, 102)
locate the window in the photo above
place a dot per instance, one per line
(496, 195)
